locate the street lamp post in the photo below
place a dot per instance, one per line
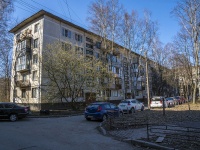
(147, 80)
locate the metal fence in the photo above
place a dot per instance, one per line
(129, 127)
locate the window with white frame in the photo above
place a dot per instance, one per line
(34, 92)
(21, 60)
(66, 33)
(34, 75)
(36, 28)
(78, 37)
(35, 43)
(35, 59)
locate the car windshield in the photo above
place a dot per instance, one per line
(93, 105)
(169, 98)
(125, 102)
(156, 99)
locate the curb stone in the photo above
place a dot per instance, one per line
(54, 116)
(101, 129)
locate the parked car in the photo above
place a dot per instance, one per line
(157, 101)
(170, 101)
(101, 111)
(180, 99)
(131, 105)
(13, 111)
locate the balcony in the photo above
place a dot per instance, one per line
(116, 64)
(118, 86)
(23, 83)
(22, 68)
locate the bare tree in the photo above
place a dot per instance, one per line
(68, 72)
(148, 34)
(188, 14)
(98, 18)
(5, 49)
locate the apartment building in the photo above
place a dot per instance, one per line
(33, 34)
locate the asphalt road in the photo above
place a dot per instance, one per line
(65, 133)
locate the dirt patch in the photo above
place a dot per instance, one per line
(177, 114)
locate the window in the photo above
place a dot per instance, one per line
(24, 77)
(17, 37)
(97, 55)
(66, 46)
(23, 93)
(35, 43)
(117, 70)
(34, 75)
(114, 93)
(107, 106)
(78, 37)
(89, 52)
(34, 92)
(15, 93)
(66, 33)
(36, 28)
(8, 105)
(21, 60)
(23, 44)
(35, 59)
(113, 106)
(98, 45)
(89, 45)
(89, 40)
(18, 48)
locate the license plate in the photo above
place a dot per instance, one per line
(89, 116)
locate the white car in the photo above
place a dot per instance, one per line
(157, 101)
(130, 105)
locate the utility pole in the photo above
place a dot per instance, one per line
(147, 80)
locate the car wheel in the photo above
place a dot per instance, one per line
(13, 117)
(132, 110)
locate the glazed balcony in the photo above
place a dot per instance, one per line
(22, 68)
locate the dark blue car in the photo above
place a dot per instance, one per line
(101, 111)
